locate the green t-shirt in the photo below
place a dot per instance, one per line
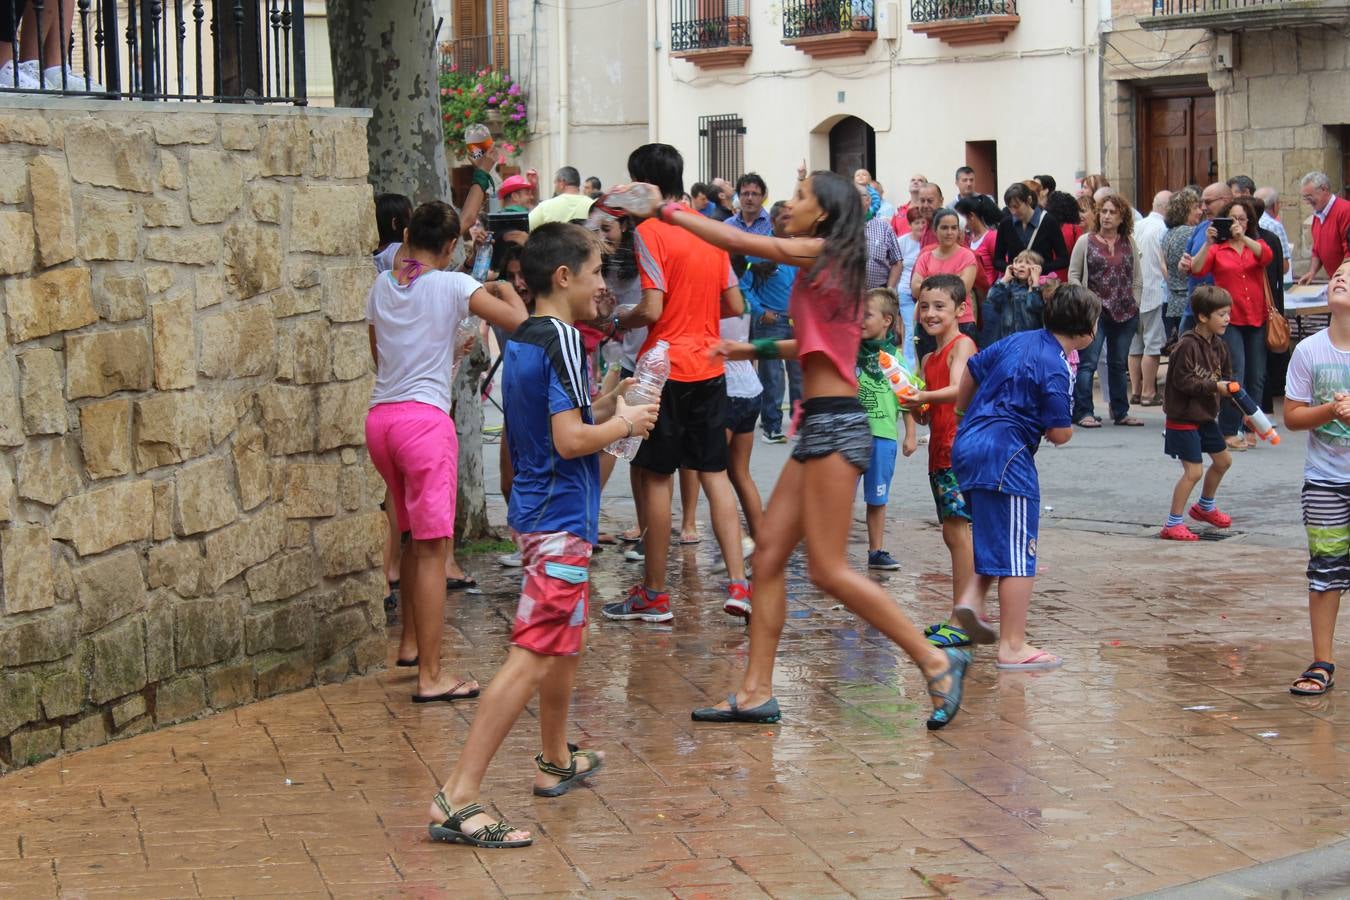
(876, 396)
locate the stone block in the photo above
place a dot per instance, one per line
(61, 691)
(13, 180)
(1268, 138)
(128, 711)
(111, 154)
(171, 331)
(227, 406)
(342, 413)
(238, 133)
(44, 404)
(185, 128)
(119, 662)
(18, 700)
(82, 734)
(215, 185)
(63, 579)
(267, 202)
(164, 212)
(1278, 101)
(284, 148)
(282, 578)
(252, 259)
(29, 747)
(108, 228)
(278, 674)
(304, 271)
(158, 279)
(229, 685)
(369, 653)
(6, 493)
(352, 488)
(103, 362)
(284, 628)
(351, 544)
(170, 428)
(170, 171)
(106, 517)
(210, 289)
(26, 555)
(16, 242)
(242, 545)
(162, 529)
(56, 300)
(288, 418)
(53, 218)
(339, 631)
(238, 343)
(23, 127)
(251, 468)
(205, 499)
(1336, 107)
(46, 638)
(311, 490)
(159, 660)
(119, 298)
(12, 421)
(47, 472)
(297, 534)
(179, 698)
(207, 631)
(311, 347)
(190, 247)
(108, 589)
(177, 566)
(290, 301)
(350, 155)
(351, 352)
(334, 220)
(345, 288)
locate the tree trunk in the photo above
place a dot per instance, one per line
(385, 59)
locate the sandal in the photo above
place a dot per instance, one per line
(1319, 673)
(1129, 421)
(406, 663)
(1134, 400)
(1151, 401)
(490, 836)
(1089, 422)
(958, 660)
(765, 714)
(459, 584)
(570, 776)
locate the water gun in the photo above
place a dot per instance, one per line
(905, 383)
(1259, 420)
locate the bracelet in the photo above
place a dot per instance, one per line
(959, 412)
(628, 422)
(765, 348)
(614, 328)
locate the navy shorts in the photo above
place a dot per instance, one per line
(1187, 444)
(742, 414)
(1004, 528)
(877, 478)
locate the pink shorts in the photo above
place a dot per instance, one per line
(414, 447)
(551, 614)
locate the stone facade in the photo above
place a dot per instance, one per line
(188, 518)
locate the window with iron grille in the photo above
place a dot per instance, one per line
(721, 144)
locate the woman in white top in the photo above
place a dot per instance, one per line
(743, 390)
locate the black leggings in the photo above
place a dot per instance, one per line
(11, 11)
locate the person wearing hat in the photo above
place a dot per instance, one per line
(516, 194)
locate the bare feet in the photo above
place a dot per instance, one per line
(474, 823)
(545, 780)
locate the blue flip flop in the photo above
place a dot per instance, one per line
(957, 662)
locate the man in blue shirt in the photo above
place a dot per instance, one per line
(753, 217)
(1013, 393)
(767, 287)
(1213, 200)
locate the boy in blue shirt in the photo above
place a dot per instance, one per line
(1014, 392)
(554, 515)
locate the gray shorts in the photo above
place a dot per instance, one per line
(1149, 337)
(834, 425)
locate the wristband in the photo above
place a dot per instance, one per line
(765, 348)
(483, 180)
(667, 209)
(960, 412)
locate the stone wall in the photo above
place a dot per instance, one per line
(188, 518)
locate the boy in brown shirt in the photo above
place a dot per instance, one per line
(1198, 371)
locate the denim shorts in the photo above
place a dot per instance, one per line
(834, 425)
(877, 478)
(742, 414)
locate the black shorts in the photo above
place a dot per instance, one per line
(834, 425)
(1187, 444)
(690, 431)
(742, 414)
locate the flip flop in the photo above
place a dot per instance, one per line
(689, 541)
(406, 663)
(606, 538)
(979, 630)
(449, 696)
(1036, 662)
(765, 714)
(459, 584)
(1089, 422)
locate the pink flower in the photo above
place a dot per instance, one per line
(454, 67)
(478, 89)
(520, 107)
(509, 148)
(515, 90)
(493, 99)
(516, 117)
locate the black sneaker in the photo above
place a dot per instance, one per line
(880, 559)
(775, 437)
(391, 605)
(636, 552)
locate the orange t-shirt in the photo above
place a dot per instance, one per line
(692, 274)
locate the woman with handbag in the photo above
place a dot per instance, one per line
(1238, 263)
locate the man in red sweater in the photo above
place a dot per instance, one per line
(1330, 225)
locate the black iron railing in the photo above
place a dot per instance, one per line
(229, 50)
(807, 18)
(494, 52)
(1181, 7)
(721, 144)
(705, 25)
(944, 10)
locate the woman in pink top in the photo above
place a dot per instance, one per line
(948, 257)
(826, 240)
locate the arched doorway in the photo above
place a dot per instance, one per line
(853, 146)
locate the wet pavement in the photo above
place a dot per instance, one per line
(1166, 750)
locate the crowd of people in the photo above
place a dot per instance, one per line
(974, 328)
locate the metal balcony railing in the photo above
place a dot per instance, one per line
(947, 10)
(708, 25)
(495, 52)
(808, 18)
(1182, 7)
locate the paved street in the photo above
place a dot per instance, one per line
(1165, 751)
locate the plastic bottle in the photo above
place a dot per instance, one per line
(478, 139)
(653, 368)
(636, 198)
(1265, 429)
(904, 382)
(482, 260)
(466, 335)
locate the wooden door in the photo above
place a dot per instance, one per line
(1178, 141)
(853, 146)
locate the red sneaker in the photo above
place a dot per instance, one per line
(1213, 517)
(738, 600)
(640, 605)
(1178, 533)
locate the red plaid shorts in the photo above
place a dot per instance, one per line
(554, 598)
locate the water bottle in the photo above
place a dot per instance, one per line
(653, 368)
(636, 198)
(466, 335)
(478, 139)
(482, 260)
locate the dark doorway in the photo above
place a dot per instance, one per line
(982, 156)
(853, 146)
(1178, 141)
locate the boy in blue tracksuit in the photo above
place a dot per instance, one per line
(1013, 393)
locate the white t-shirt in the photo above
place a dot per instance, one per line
(627, 294)
(1318, 370)
(1148, 236)
(384, 260)
(909, 252)
(741, 378)
(415, 335)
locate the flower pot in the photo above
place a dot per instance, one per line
(738, 28)
(494, 122)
